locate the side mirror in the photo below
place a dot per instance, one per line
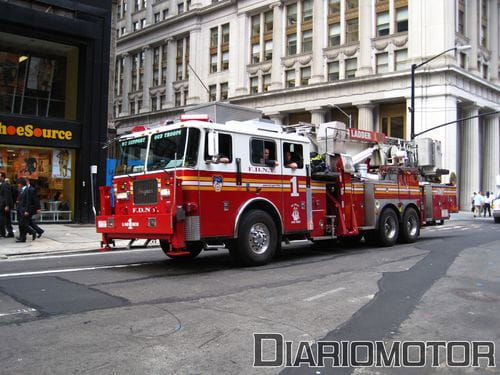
(213, 144)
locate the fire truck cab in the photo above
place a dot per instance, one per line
(252, 184)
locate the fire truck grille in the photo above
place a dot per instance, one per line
(145, 192)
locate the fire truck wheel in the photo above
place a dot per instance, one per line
(257, 239)
(410, 227)
(194, 248)
(388, 229)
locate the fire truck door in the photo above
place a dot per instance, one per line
(295, 207)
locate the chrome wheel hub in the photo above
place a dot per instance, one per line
(390, 228)
(412, 226)
(259, 238)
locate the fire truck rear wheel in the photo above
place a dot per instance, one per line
(388, 229)
(410, 227)
(194, 249)
(257, 239)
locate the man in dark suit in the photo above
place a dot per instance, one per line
(35, 202)
(6, 205)
(25, 209)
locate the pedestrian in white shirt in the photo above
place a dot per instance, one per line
(478, 202)
(488, 200)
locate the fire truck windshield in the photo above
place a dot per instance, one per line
(174, 148)
(131, 155)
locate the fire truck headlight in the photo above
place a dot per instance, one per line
(122, 196)
(165, 193)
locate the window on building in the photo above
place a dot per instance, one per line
(214, 37)
(382, 23)
(141, 69)
(212, 93)
(156, 65)
(463, 60)
(333, 71)
(123, 31)
(268, 51)
(162, 101)
(180, 8)
(351, 4)
(256, 25)
(154, 103)
(307, 41)
(307, 11)
(291, 44)
(352, 31)
(137, 5)
(164, 64)
(224, 91)
(485, 71)
(382, 60)
(333, 7)
(305, 76)
(225, 33)
(291, 14)
(401, 57)
(134, 72)
(351, 65)
(182, 58)
(225, 61)
(266, 82)
(132, 106)
(143, 23)
(136, 26)
(290, 78)
(402, 19)
(177, 98)
(262, 150)
(268, 22)
(334, 35)
(461, 17)
(484, 35)
(393, 126)
(213, 63)
(157, 17)
(165, 13)
(255, 53)
(254, 85)
(185, 96)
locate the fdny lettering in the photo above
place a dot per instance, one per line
(141, 210)
(30, 131)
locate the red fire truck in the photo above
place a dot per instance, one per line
(251, 185)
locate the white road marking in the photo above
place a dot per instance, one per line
(309, 299)
(17, 258)
(67, 270)
(20, 311)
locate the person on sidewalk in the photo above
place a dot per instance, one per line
(478, 202)
(472, 201)
(36, 204)
(25, 210)
(488, 201)
(6, 205)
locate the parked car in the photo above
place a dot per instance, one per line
(496, 209)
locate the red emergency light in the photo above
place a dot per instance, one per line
(194, 117)
(139, 128)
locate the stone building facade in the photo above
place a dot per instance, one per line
(317, 60)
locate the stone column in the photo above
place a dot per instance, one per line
(277, 117)
(195, 60)
(278, 45)
(318, 115)
(472, 31)
(240, 44)
(469, 157)
(128, 17)
(149, 14)
(365, 116)
(491, 152)
(171, 68)
(493, 40)
(148, 77)
(365, 43)
(127, 83)
(319, 33)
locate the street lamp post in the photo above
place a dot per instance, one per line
(412, 99)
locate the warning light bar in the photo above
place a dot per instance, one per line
(139, 128)
(194, 117)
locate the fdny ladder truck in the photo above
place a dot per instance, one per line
(251, 185)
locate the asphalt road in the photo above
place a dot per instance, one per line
(135, 311)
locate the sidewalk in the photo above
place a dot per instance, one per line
(61, 238)
(58, 238)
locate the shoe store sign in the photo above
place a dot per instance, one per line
(46, 134)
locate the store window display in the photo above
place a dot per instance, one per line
(50, 171)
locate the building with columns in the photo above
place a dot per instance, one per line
(318, 60)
